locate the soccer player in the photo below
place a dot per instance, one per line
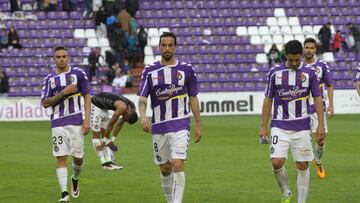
(172, 85)
(102, 124)
(357, 80)
(289, 84)
(322, 71)
(62, 91)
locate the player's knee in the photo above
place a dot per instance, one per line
(178, 165)
(302, 165)
(277, 164)
(166, 169)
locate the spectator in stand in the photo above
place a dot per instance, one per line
(69, 5)
(119, 44)
(13, 38)
(4, 84)
(88, 13)
(324, 37)
(124, 19)
(354, 31)
(94, 63)
(125, 68)
(100, 21)
(51, 5)
(14, 6)
(120, 79)
(132, 6)
(337, 41)
(110, 27)
(273, 55)
(4, 41)
(132, 43)
(143, 37)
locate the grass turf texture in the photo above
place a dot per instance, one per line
(228, 165)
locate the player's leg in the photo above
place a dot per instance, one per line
(162, 158)
(279, 147)
(166, 177)
(60, 151)
(303, 153)
(77, 151)
(179, 142)
(95, 125)
(319, 147)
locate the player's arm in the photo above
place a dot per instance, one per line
(357, 86)
(194, 104)
(142, 105)
(54, 100)
(118, 127)
(87, 108)
(330, 91)
(266, 110)
(114, 118)
(320, 131)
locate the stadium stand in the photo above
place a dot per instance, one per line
(226, 41)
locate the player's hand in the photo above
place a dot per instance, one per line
(100, 146)
(198, 131)
(330, 112)
(263, 131)
(320, 135)
(70, 89)
(85, 128)
(145, 124)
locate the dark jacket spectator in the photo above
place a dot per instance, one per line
(324, 37)
(354, 30)
(273, 55)
(4, 83)
(13, 38)
(132, 6)
(94, 63)
(143, 37)
(14, 6)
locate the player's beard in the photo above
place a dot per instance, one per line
(167, 56)
(309, 55)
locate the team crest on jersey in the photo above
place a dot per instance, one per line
(303, 77)
(178, 75)
(158, 157)
(56, 148)
(317, 69)
(73, 79)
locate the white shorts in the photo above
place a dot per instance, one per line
(68, 140)
(98, 118)
(314, 122)
(298, 141)
(170, 146)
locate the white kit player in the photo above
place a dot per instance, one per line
(322, 71)
(289, 85)
(102, 124)
(62, 91)
(172, 86)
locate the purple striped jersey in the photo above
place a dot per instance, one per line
(290, 90)
(357, 76)
(68, 111)
(322, 71)
(169, 88)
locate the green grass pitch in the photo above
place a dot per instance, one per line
(227, 166)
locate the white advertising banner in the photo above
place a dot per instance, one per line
(224, 103)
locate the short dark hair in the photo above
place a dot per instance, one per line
(57, 48)
(310, 40)
(293, 47)
(133, 118)
(167, 34)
